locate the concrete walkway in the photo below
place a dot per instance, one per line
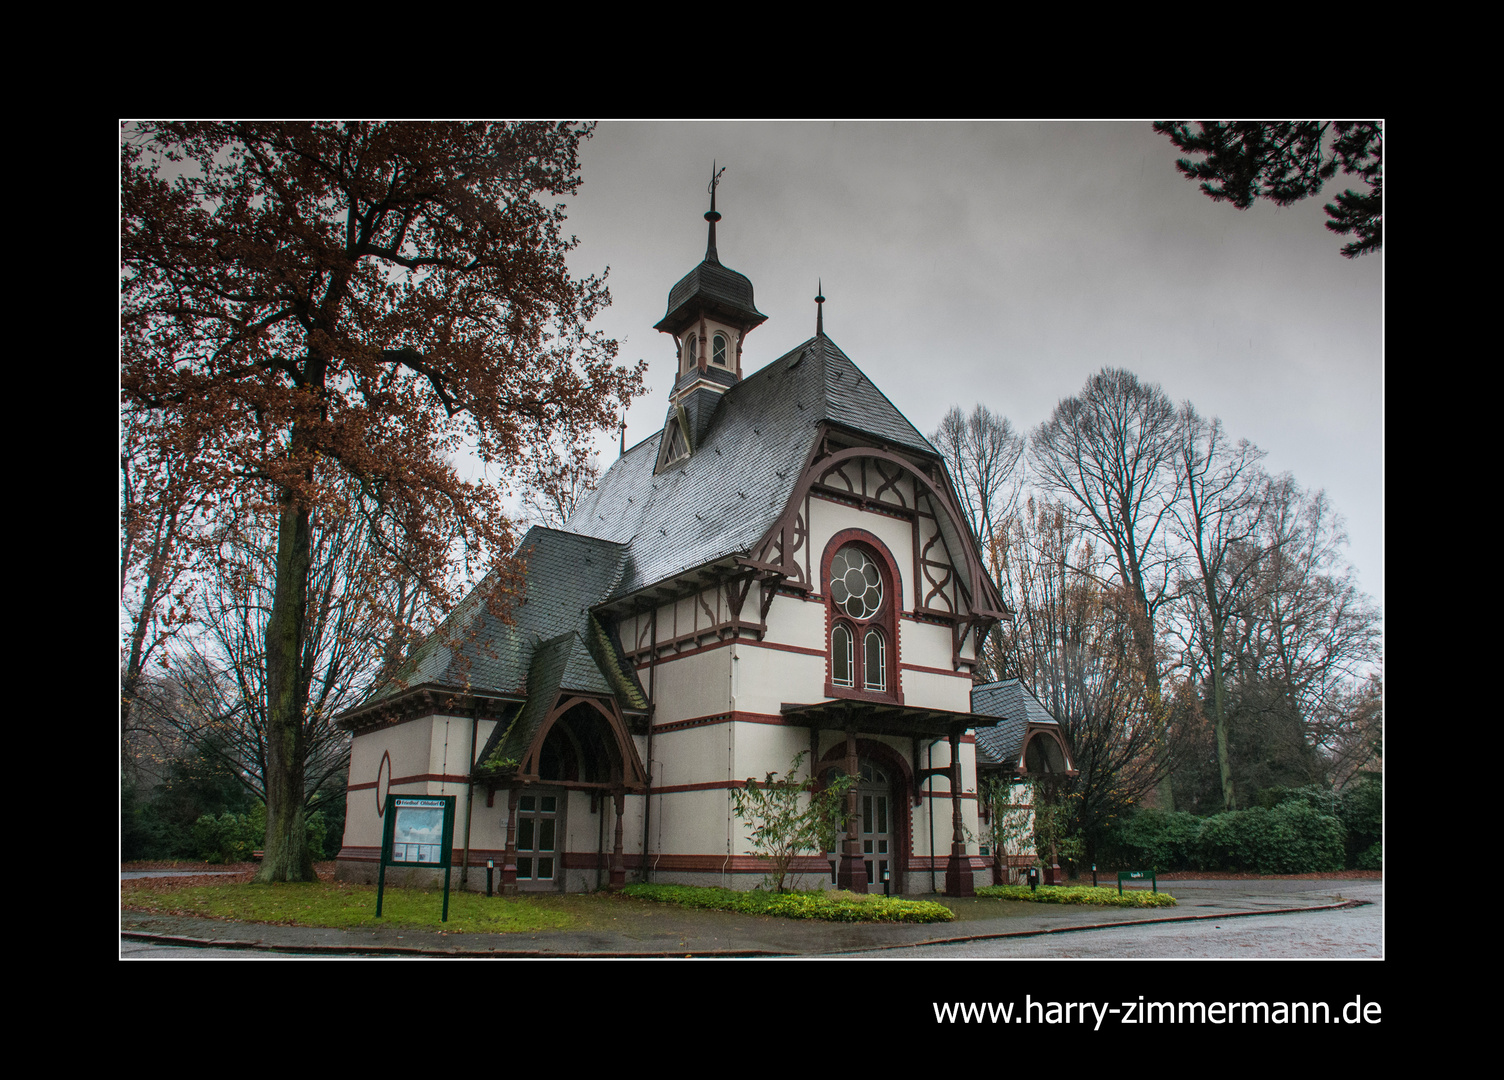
(666, 930)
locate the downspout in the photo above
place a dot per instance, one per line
(469, 798)
(647, 795)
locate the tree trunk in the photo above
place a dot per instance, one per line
(1219, 717)
(287, 857)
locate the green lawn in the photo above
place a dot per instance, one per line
(336, 904)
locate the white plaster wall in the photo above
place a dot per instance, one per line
(690, 822)
(767, 678)
(793, 620)
(695, 685)
(409, 744)
(696, 755)
(926, 690)
(764, 748)
(926, 644)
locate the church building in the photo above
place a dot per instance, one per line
(783, 569)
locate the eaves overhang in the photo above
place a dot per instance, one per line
(422, 700)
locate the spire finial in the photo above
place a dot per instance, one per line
(819, 308)
(710, 215)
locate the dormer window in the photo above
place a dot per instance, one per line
(718, 350)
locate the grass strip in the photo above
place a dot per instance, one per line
(341, 905)
(831, 906)
(1095, 895)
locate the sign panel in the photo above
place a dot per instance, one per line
(419, 832)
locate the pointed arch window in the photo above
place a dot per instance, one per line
(863, 624)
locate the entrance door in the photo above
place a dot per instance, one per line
(539, 830)
(874, 802)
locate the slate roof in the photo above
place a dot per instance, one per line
(725, 497)
(1002, 744)
(474, 652)
(637, 529)
(714, 289)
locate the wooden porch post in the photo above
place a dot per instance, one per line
(958, 867)
(509, 859)
(618, 865)
(851, 869)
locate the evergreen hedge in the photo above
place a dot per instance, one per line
(1291, 834)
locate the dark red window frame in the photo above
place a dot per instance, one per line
(886, 620)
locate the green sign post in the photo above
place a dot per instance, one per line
(419, 832)
(1137, 875)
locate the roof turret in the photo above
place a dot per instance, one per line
(711, 289)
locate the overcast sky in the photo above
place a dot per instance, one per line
(1004, 263)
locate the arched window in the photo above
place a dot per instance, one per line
(718, 349)
(863, 625)
(842, 663)
(691, 345)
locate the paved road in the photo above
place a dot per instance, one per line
(1339, 933)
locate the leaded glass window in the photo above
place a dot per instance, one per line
(856, 584)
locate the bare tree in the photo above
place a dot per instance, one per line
(983, 452)
(361, 609)
(1110, 454)
(1071, 645)
(1306, 649)
(551, 496)
(1216, 521)
(161, 505)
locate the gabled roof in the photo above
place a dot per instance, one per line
(560, 663)
(725, 497)
(476, 653)
(1002, 744)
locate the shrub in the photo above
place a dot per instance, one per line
(1159, 840)
(1372, 857)
(231, 838)
(1290, 838)
(1361, 808)
(828, 906)
(1098, 896)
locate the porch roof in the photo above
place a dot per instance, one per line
(884, 718)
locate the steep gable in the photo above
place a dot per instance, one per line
(723, 499)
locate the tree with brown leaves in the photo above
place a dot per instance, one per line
(316, 306)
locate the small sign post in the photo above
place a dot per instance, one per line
(419, 832)
(1137, 875)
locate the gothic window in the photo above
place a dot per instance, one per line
(841, 660)
(874, 661)
(863, 623)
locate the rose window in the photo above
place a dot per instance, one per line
(856, 586)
